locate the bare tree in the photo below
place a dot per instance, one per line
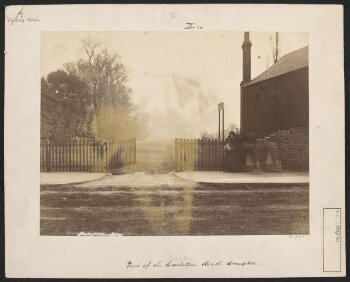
(231, 127)
(207, 135)
(212, 135)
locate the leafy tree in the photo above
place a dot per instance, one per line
(64, 106)
(92, 97)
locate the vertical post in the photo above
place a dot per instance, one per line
(118, 156)
(176, 153)
(199, 154)
(134, 151)
(94, 155)
(112, 154)
(210, 157)
(53, 166)
(221, 108)
(100, 156)
(205, 154)
(58, 157)
(126, 152)
(219, 125)
(106, 156)
(41, 155)
(195, 159)
(189, 154)
(64, 156)
(182, 153)
(84, 154)
(223, 138)
(48, 156)
(73, 155)
(185, 154)
(223, 124)
(80, 154)
(115, 154)
(69, 155)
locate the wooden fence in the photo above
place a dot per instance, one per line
(86, 155)
(198, 154)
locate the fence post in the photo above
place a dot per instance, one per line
(114, 157)
(203, 154)
(199, 144)
(210, 162)
(176, 154)
(190, 155)
(179, 160)
(186, 155)
(134, 151)
(102, 159)
(106, 156)
(83, 155)
(181, 154)
(48, 155)
(182, 167)
(222, 144)
(196, 150)
(98, 156)
(127, 148)
(41, 156)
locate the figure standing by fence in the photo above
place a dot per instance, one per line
(232, 153)
(251, 161)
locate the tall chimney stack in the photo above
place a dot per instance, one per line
(246, 46)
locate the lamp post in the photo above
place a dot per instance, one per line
(221, 109)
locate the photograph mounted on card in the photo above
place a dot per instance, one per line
(174, 141)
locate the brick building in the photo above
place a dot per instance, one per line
(277, 99)
(275, 105)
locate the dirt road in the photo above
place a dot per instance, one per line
(144, 204)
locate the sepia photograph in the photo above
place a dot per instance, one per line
(174, 133)
(174, 141)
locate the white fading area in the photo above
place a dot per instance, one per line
(178, 78)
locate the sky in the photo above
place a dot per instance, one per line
(178, 78)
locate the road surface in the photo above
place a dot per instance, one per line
(142, 204)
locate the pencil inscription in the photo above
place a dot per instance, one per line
(20, 17)
(177, 263)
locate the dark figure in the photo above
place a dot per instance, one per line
(232, 153)
(250, 158)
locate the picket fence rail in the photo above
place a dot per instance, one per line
(86, 155)
(198, 154)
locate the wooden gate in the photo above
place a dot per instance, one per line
(86, 155)
(198, 154)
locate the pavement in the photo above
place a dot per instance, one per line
(137, 179)
(243, 177)
(172, 178)
(55, 178)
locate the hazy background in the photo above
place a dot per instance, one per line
(178, 78)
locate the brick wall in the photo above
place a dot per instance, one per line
(293, 148)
